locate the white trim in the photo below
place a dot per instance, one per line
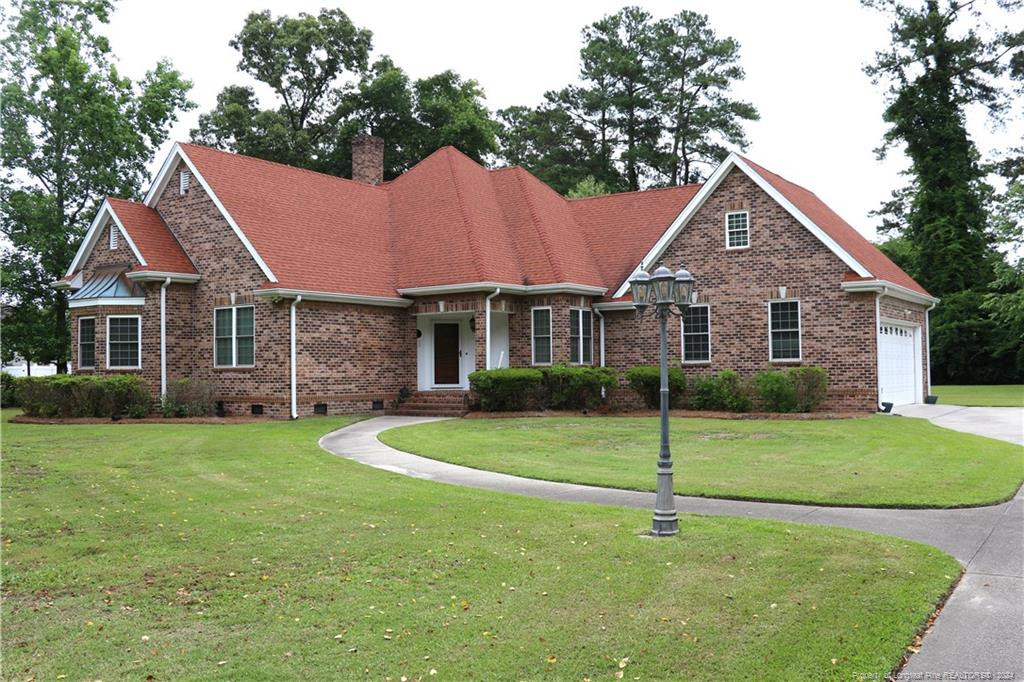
(113, 239)
(799, 331)
(889, 289)
(457, 323)
(138, 328)
(487, 327)
(580, 309)
(113, 300)
(878, 347)
(682, 337)
(328, 297)
(614, 305)
(183, 179)
(551, 335)
(163, 337)
(732, 213)
(916, 331)
(64, 284)
(292, 356)
(93, 234)
(157, 276)
(163, 177)
(927, 331)
(556, 288)
(93, 365)
(734, 161)
(234, 336)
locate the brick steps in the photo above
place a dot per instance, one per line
(432, 404)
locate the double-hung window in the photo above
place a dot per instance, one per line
(124, 342)
(581, 336)
(696, 327)
(86, 343)
(784, 330)
(737, 230)
(234, 331)
(541, 336)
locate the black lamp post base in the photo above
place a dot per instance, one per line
(665, 526)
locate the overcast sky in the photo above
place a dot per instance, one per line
(820, 115)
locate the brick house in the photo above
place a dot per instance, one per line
(294, 292)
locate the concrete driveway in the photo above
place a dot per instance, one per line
(1003, 423)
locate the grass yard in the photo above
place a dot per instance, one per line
(1004, 395)
(246, 552)
(875, 461)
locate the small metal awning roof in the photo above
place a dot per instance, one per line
(108, 283)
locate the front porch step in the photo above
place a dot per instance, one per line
(432, 404)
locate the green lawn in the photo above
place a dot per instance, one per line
(246, 552)
(874, 461)
(1004, 395)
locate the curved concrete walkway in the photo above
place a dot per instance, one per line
(980, 630)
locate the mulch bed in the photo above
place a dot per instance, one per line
(703, 414)
(23, 419)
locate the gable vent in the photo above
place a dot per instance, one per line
(183, 182)
(113, 236)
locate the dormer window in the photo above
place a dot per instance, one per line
(113, 236)
(183, 182)
(737, 230)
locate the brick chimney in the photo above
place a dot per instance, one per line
(367, 159)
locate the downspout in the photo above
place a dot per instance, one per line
(487, 327)
(295, 397)
(928, 344)
(878, 346)
(163, 337)
(600, 326)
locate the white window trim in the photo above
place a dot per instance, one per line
(732, 213)
(234, 336)
(682, 338)
(93, 365)
(138, 319)
(551, 337)
(799, 330)
(574, 311)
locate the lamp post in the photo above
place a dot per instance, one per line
(658, 293)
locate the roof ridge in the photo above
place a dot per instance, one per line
(536, 226)
(474, 248)
(419, 163)
(284, 165)
(634, 191)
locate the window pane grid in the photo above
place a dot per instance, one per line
(123, 341)
(696, 334)
(234, 337)
(87, 342)
(784, 328)
(541, 336)
(737, 230)
(588, 335)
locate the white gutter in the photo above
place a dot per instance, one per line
(159, 276)
(456, 288)
(163, 337)
(329, 297)
(487, 327)
(890, 289)
(295, 398)
(614, 305)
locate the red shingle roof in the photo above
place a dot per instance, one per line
(863, 251)
(448, 220)
(158, 247)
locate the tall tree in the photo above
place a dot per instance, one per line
(74, 131)
(326, 92)
(938, 64)
(653, 106)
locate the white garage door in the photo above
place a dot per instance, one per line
(896, 365)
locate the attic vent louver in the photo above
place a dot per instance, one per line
(183, 182)
(113, 236)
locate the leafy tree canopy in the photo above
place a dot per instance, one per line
(74, 131)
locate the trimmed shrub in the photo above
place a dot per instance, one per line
(776, 391)
(508, 389)
(576, 388)
(189, 398)
(646, 381)
(811, 387)
(64, 395)
(724, 391)
(8, 390)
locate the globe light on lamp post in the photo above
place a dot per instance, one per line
(659, 293)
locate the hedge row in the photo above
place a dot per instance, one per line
(800, 389)
(65, 395)
(557, 387)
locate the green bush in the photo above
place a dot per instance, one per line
(776, 391)
(576, 388)
(65, 395)
(811, 387)
(724, 391)
(508, 389)
(189, 398)
(8, 390)
(646, 381)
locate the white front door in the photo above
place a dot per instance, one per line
(898, 368)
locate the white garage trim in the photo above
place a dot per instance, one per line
(886, 330)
